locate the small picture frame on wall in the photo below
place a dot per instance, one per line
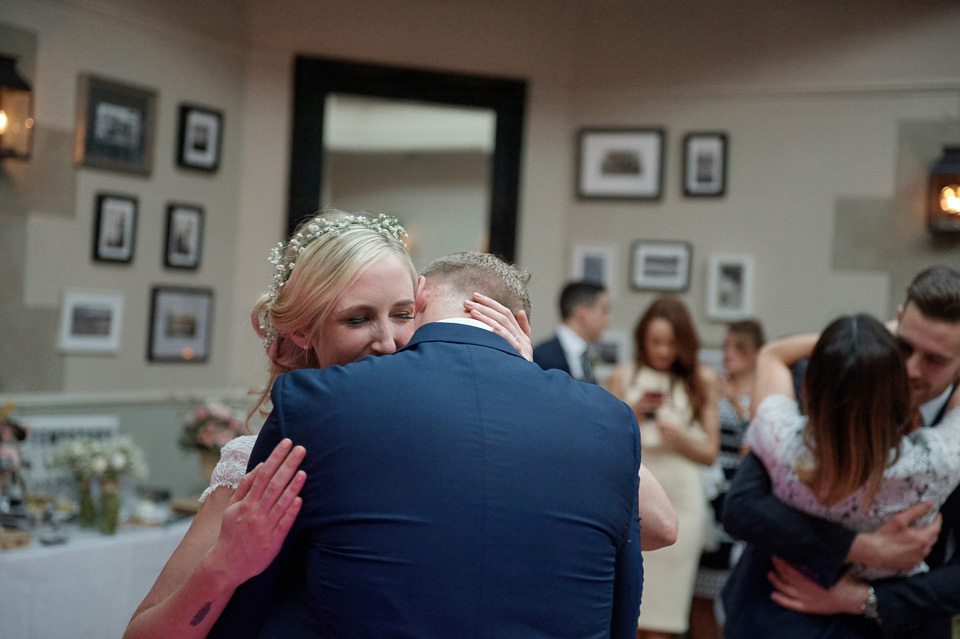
(730, 287)
(115, 227)
(90, 322)
(180, 324)
(114, 125)
(660, 266)
(594, 263)
(201, 132)
(620, 164)
(705, 164)
(184, 240)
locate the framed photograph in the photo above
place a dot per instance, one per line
(114, 125)
(607, 352)
(660, 266)
(180, 324)
(184, 236)
(90, 322)
(730, 287)
(115, 225)
(620, 164)
(201, 130)
(704, 164)
(594, 263)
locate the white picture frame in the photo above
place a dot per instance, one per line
(660, 266)
(611, 349)
(620, 164)
(594, 263)
(90, 322)
(730, 280)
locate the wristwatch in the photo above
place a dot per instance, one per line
(869, 605)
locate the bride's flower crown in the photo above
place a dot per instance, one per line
(284, 255)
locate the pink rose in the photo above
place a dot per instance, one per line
(207, 435)
(10, 453)
(223, 436)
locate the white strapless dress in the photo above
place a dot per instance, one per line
(232, 465)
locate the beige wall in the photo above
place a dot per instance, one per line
(825, 104)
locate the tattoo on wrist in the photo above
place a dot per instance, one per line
(197, 618)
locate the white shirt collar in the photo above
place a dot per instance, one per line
(466, 321)
(930, 410)
(573, 347)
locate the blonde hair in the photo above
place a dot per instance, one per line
(323, 270)
(471, 272)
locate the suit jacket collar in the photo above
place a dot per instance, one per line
(459, 334)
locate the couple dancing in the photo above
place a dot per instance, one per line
(451, 489)
(866, 472)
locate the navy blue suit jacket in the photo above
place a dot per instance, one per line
(453, 490)
(549, 354)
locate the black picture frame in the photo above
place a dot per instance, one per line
(115, 124)
(181, 323)
(620, 164)
(705, 164)
(200, 138)
(183, 245)
(659, 265)
(115, 227)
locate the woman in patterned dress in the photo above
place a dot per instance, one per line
(740, 347)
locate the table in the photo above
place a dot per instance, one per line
(87, 587)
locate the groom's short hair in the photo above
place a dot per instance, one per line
(471, 272)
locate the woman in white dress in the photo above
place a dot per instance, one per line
(675, 400)
(343, 290)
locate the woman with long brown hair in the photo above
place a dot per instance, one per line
(675, 400)
(857, 458)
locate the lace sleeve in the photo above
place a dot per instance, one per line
(232, 465)
(772, 427)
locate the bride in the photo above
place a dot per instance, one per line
(343, 289)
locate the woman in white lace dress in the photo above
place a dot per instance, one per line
(343, 290)
(857, 457)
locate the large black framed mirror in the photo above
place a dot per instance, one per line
(317, 78)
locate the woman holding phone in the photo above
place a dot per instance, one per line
(675, 400)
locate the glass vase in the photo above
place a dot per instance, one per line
(109, 506)
(87, 515)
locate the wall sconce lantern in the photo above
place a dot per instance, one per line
(944, 206)
(16, 111)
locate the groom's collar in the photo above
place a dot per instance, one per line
(460, 333)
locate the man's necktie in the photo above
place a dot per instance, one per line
(586, 369)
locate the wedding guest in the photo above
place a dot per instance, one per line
(927, 330)
(343, 289)
(740, 348)
(675, 400)
(858, 459)
(585, 314)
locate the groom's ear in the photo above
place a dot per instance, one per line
(419, 296)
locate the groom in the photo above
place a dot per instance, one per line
(453, 489)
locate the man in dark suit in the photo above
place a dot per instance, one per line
(453, 489)
(585, 311)
(928, 329)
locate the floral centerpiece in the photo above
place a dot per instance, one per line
(207, 429)
(104, 460)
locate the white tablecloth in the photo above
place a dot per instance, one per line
(85, 588)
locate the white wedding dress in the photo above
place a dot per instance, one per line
(232, 465)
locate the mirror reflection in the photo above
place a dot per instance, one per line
(426, 164)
